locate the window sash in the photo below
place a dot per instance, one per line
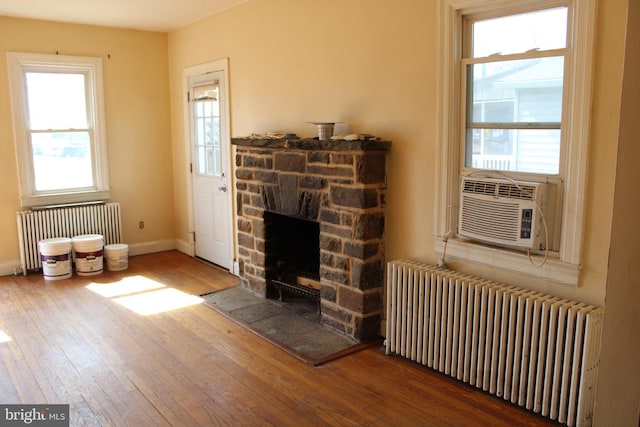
(514, 125)
(467, 104)
(514, 13)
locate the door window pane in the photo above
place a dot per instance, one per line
(207, 131)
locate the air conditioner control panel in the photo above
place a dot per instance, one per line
(526, 223)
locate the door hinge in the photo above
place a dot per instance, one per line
(188, 96)
(194, 236)
(191, 167)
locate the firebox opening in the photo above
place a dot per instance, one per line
(292, 252)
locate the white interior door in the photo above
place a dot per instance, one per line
(209, 169)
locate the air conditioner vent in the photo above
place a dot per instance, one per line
(513, 191)
(491, 219)
(502, 189)
(480, 187)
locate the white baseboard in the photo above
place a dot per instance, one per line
(236, 268)
(151, 247)
(185, 247)
(10, 268)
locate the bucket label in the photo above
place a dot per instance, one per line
(52, 259)
(89, 255)
(56, 266)
(89, 263)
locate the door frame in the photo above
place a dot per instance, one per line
(221, 65)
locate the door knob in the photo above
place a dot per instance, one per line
(223, 187)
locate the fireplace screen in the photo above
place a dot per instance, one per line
(292, 253)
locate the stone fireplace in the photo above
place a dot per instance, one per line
(299, 199)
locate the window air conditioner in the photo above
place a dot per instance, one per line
(503, 212)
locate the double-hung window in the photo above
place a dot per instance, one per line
(58, 128)
(514, 106)
(513, 73)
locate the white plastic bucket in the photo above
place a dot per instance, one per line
(117, 256)
(55, 255)
(88, 252)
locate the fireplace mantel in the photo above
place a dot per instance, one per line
(314, 144)
(339, 184)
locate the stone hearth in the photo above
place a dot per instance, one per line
(341, 185)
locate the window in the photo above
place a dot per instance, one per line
(515, 82)
(58, 128)
(514, 86)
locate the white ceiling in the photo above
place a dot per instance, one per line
(152, 15)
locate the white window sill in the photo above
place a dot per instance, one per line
(553, 270)
(69, 198)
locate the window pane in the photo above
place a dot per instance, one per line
(208, 126)
(543, 30)
(202, 165)
(525, 91)
(215, 131)
(521, 150)
(62, 160)
(56, 101)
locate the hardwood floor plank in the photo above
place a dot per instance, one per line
(75, 341)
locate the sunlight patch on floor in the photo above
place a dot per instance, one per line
(128, 285)
(158, 301)
(144, 296)
(4, 337)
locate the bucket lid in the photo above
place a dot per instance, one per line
(56, 246)
(116, 247)
(87, 237)
(57, 242)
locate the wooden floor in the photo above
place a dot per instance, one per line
(134, 348)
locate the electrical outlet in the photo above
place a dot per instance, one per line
(141, 225)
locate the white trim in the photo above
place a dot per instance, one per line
(575, 140)
(577, 136)
(17, 63)
(11, 268)
(221, 65)
(185, 247)
(552, 270)
(144, 248)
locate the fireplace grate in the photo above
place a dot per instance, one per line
(302, 291)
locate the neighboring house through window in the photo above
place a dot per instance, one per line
(59, 128)
(515, 95)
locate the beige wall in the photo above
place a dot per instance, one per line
(368, 63)
(364, 63)
(136, 82)
(620, 359)
(372, 64)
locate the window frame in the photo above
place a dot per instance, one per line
(18, 64)
(564, 266)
